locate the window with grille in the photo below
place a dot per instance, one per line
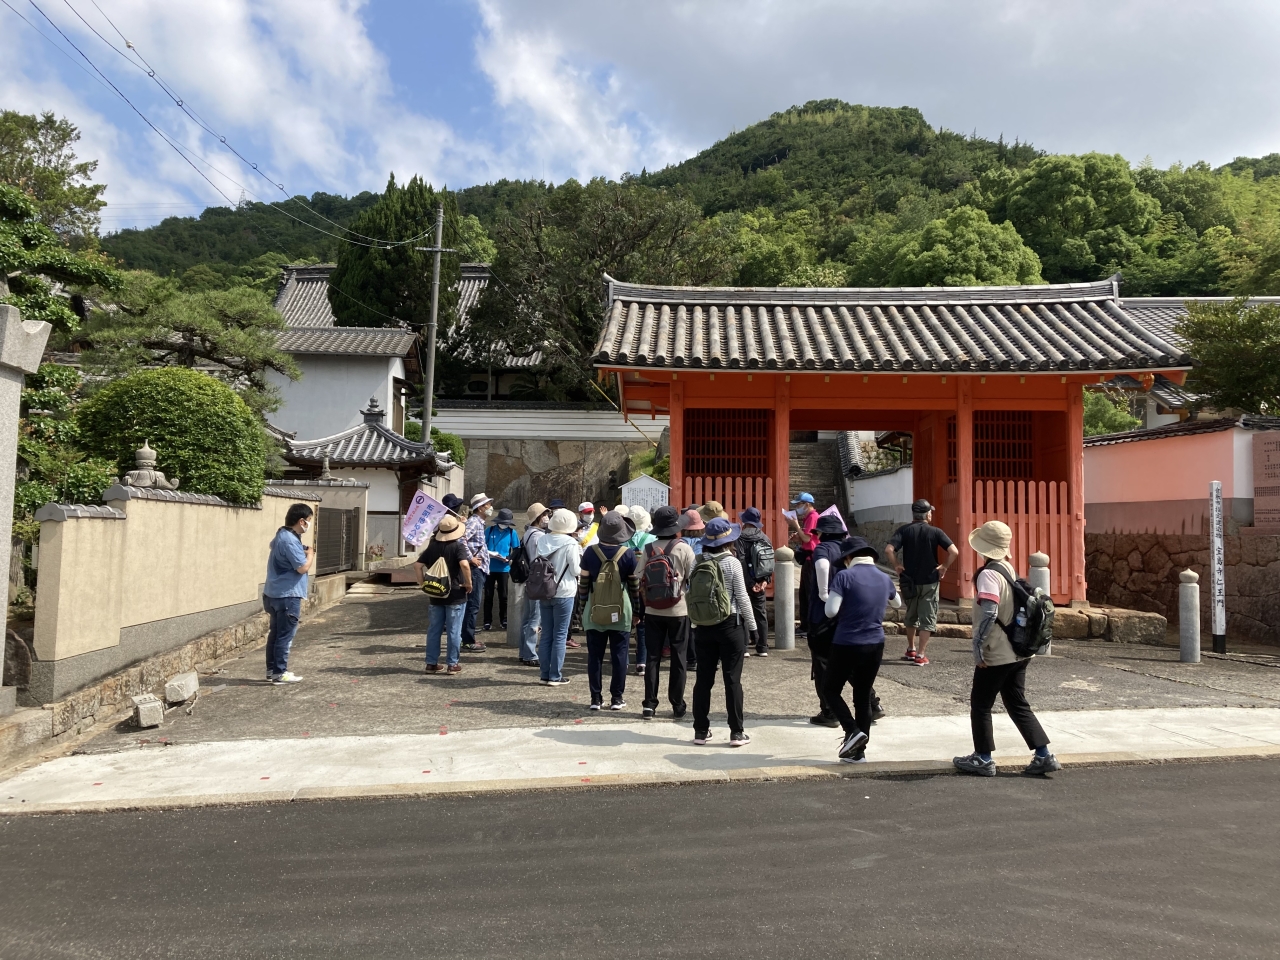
(726, 443)
(1002, 445)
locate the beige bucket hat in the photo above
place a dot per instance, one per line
(992, 540)
(450, 528)
(535, 512)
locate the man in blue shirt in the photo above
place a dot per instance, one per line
(285, 589)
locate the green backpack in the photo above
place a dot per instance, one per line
(708, 597)
(608, 594)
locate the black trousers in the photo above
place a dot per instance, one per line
(1010, 682)
(818, 673)
(660, 632)
(722, 647)
(762, 620)
(496, 581)
(857, 665)
(805, 559)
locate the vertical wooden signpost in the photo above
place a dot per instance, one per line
(1217, 560)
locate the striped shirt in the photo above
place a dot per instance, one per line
(736, 583)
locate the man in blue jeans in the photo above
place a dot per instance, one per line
(285, 589)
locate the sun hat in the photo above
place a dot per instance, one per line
(450, 528)
(453, 502)
(712, 510)
(623, 509)
(562, 521)
(691, 522)
(615, 529)
(505, 518)
(535, 513)
(479, 500)
(830, 523)
(921, 507)
(720, 533)
(750, 517)
(666, 522)
(992, 540)
(803, 498)
(640, 517)
(852, 546)
(586, 507)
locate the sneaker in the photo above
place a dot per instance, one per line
(287, 677)
(666, 653)
(877, 712)
(647, 713)
(474, 647)
(824, 720)
(975, 765)
(504, 626)
(596, 705)
(748, 654)
(488, 627)
(858, 756)
(572, 644)
(677, 713)
(762, 653)
(1040, 766)
(434, 668)
(739, 739)
(453, 668)
(530, 663)
(852, 743)
(921, 660)
(556, 683)
(639, 669)
(909, 656)
(617, 705)
(700, 739)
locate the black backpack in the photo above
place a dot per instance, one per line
(543, 582)
(1032, 629)
(519, 571)
(757, 558)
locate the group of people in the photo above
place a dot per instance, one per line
(690, 585)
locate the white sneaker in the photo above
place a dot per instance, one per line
(287, 677)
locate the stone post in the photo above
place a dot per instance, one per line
(515, 608)
(1189, 617)
(784, 599)
(21, 347)
(1038, 576)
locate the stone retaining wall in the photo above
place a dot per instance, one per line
(1140, 571)
(518, 472)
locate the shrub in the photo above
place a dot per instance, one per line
(449, 443)
(202, 432)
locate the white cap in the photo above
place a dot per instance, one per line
(586, 507)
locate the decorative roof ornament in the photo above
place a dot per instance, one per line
(145, 475)
(324, 469)
(374, 413)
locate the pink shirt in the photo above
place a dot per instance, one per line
(810, 526)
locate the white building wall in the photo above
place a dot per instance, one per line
(332, 392)
(884, 497)
(532, 424)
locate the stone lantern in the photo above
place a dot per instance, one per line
(145, 474)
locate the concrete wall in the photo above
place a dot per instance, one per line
(337, 495)
(518, 472)
(1139, 571)
(332, 392)
(147, 573)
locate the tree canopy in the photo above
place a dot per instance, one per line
(37, 155)
(1238, 349)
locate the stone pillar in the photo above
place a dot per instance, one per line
(515, 608)
(1038, 576)
(21, 347)
(1189, 617)
(784, 599)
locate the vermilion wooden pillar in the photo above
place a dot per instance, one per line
(1075, 478)
(964, 475)
(677, 445)
(781, 446)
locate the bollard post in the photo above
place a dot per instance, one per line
(1038, 576)
(784, 599)
(515, 610)
(1189, 617)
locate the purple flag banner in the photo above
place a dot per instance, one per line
(422, 518)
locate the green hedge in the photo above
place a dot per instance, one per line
(449, 443)
(201, 431)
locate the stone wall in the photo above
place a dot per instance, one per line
(1140, 571)
(518, 472)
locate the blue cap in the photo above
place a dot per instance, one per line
(750, 517)
(803, 498)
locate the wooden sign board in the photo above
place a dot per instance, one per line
(1266, 479)
(644, 491)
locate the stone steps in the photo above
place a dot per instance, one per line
(814, 469)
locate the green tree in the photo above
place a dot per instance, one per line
(202, 432)
(377, 286)
(37, 155)
(1083, 215)
(232, 333)
(472, 242)
(32, 258)
(965, 249)
(1237, 349)
(1104, 414)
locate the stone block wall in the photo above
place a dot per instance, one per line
(518, 472)
(1140, 571)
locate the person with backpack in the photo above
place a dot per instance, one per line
(999, 668)
(856, 600)
(641, 539)
(502, 542)
(536, 518)
(553, 582)
(720, 612)
(691, 530)
(607, 593)
(445, 567)
(755, 550)
(920, 575)
(822, 561)
(666, 565)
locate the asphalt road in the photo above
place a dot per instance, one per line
(1175, 860)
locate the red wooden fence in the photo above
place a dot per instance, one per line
(736, 494)
(1039, 514)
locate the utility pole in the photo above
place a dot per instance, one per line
(430, 388)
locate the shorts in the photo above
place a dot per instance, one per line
(922, 606)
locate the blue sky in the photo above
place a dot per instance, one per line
(333, 94)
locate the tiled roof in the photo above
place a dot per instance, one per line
(1077, 326)
(1169, 394)
(370, 444)
(351, 341)
(303, 297)
(474, 282)
(1159, 314)
(1186, 428)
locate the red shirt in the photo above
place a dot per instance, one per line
(810, 526)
